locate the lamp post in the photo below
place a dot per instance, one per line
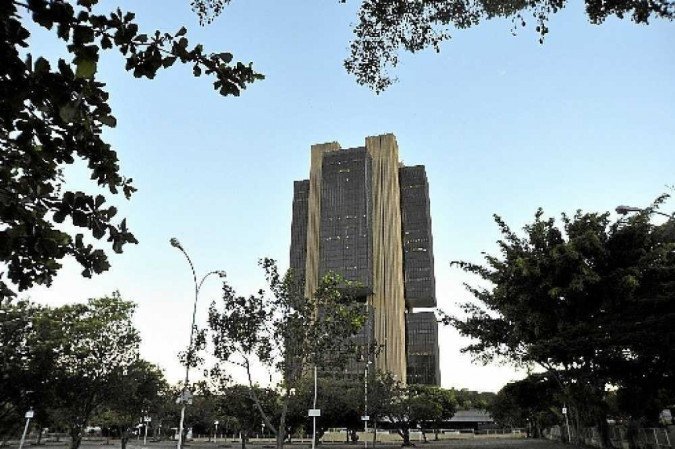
(365, 416)
(186, 395)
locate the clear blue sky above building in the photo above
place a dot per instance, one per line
(503, 124)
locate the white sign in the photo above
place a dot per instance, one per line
(365, 418)
(314, 412)
(185, 396)
(216, 422)
(30, 414)
(147, 419)
(564, 410)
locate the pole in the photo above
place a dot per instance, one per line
(25, 430)
(314, 417)
(365, 408)
(180, 426)
(365, 378)
(567, 423)
(215, 435)
(145, 436)
(176, 244)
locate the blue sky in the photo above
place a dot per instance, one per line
(504, 125)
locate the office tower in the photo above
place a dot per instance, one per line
(365, 216)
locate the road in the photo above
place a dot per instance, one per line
(474, 443)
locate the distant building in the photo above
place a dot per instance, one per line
(475, 419)
(364, 215)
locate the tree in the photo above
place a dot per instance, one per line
(410, 406)
(286, 331)
(16, 326)
(467, 399)
(447, 402)
(133, 392)
(532, 402)
(591, 303)
(236, 406)
(91, 344)
(340, 402)
(387, 27)
(54, 113)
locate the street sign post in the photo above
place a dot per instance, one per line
(29, 414)
(146, 419)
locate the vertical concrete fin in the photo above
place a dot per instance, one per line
(314, 215)
(388, 291)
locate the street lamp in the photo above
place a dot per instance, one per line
(365, 416)
(186, 395)
(624, 210)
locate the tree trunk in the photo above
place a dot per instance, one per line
(281, 430)
(436, 434)
(39, 438)
(75, 437)
(405, 434)
(374, 433)
(603, 429)
(632, 431)
(124, 439)
(244, 437)
(577, 426)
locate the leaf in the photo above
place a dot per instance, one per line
(86, 68)
(67, 112)
(41, 65)
(109, 120)
(168, 61)
(181, 32)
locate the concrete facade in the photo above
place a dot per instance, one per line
(355, 217)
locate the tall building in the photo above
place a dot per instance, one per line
(364, 215)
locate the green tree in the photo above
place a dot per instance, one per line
(592, 303)
(340, 402)
(91, 344)
(410, 406)
(53, 113)
(533, 403)
(133, 392)
(385, 28)
(16, 379)
(467, 399)
(286, 331)
(238, 409)
(447, 402)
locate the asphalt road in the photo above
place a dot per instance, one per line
(474, 443)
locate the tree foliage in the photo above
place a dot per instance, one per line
(286, 331)
(387, 27)
(340, 402)
(134, 391)
(54, 112)
(532, 403)
(591, 302)
(409, 406)
(237, 409)
(68, 357)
